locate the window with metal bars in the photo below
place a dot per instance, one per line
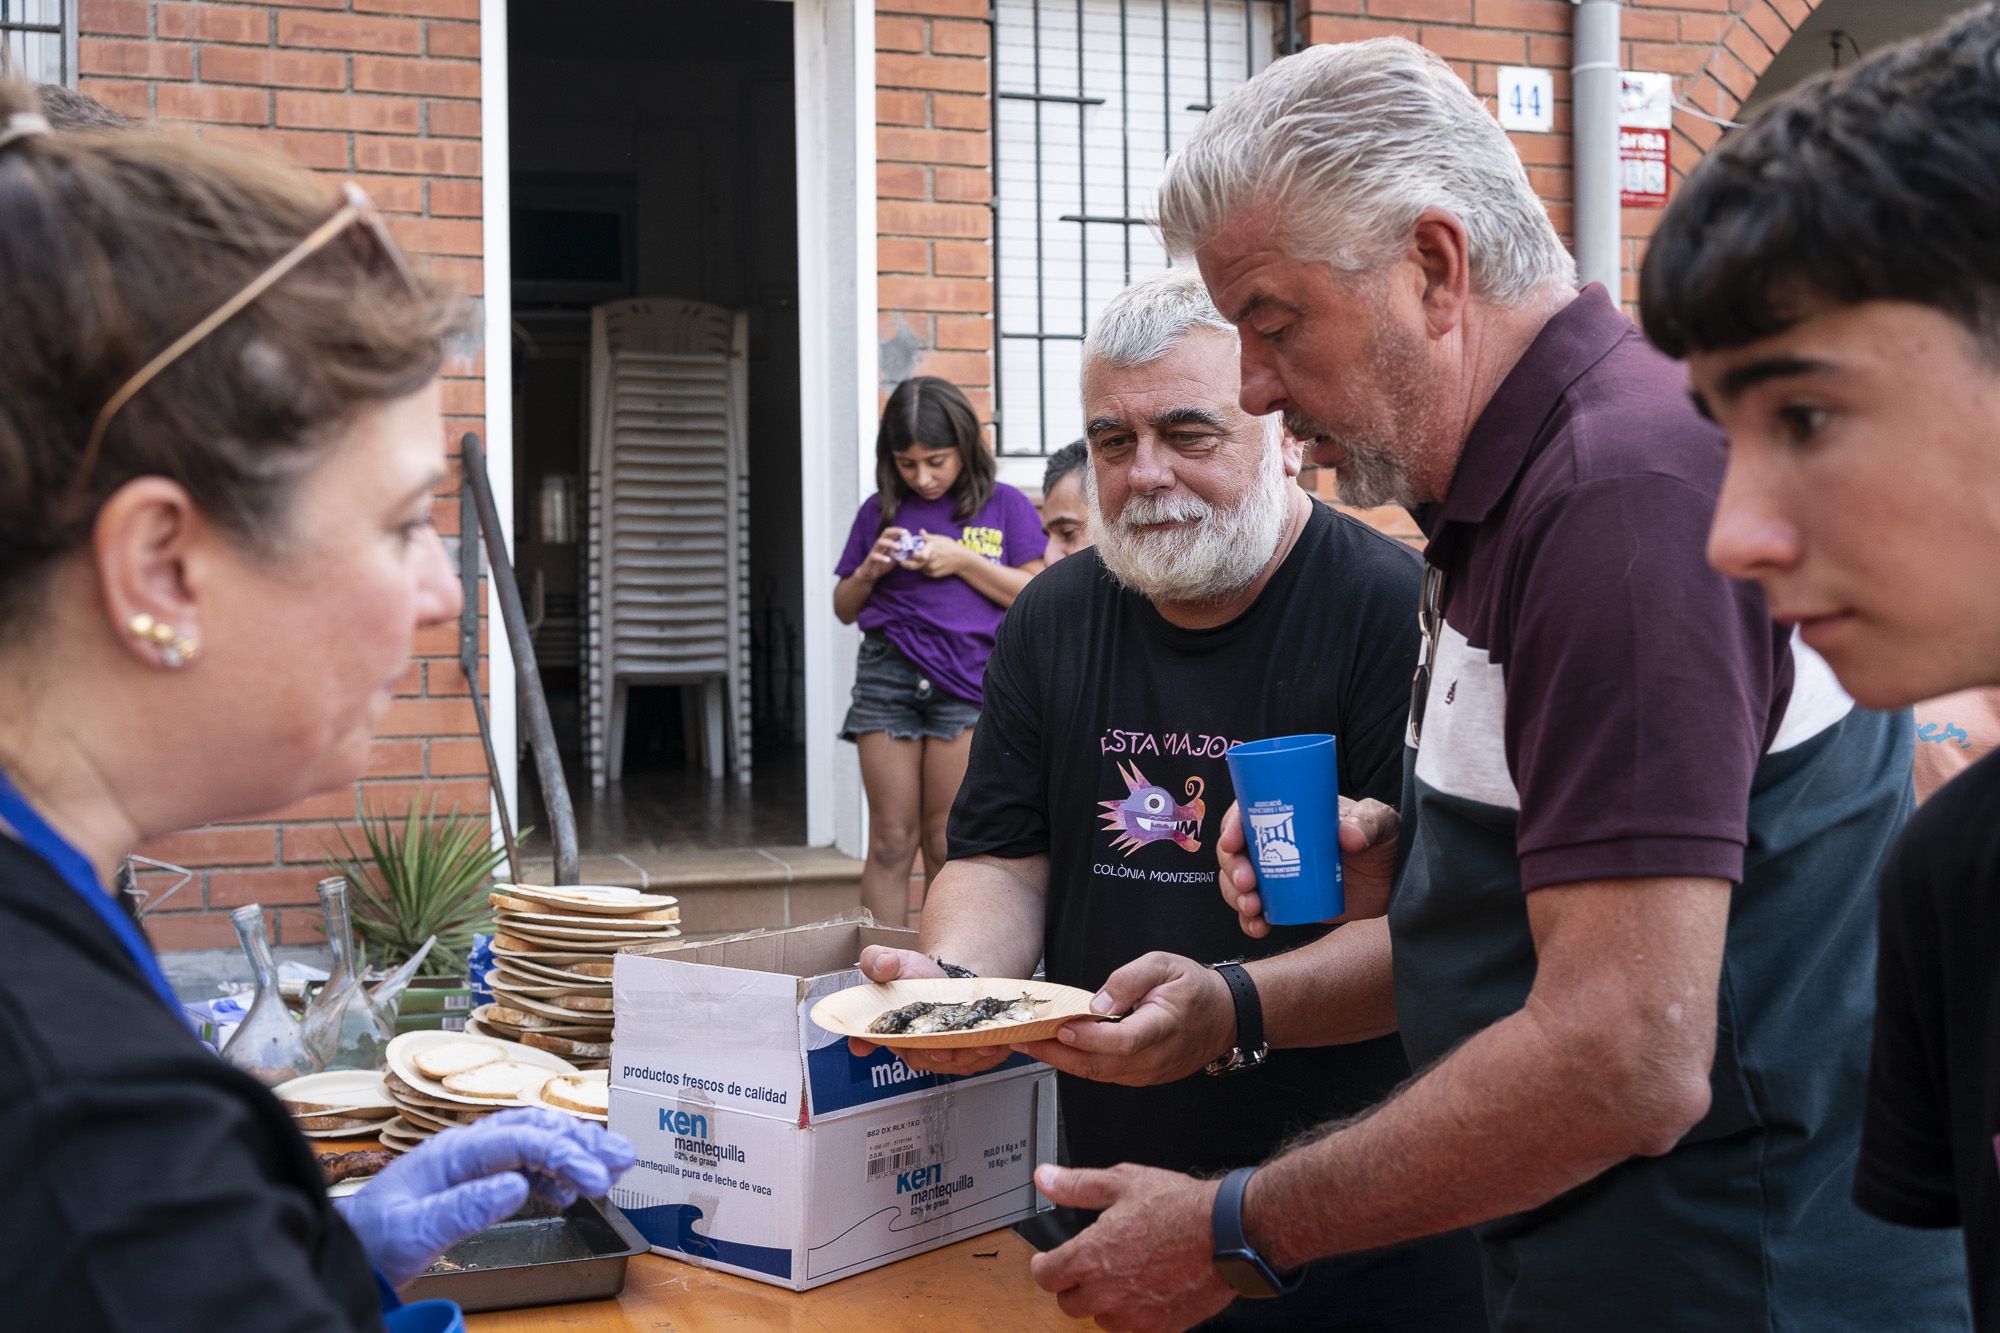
(1090, 99)
(38, 40)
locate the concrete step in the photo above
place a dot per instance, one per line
(743, 888)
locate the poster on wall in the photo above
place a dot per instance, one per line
(1645, 123)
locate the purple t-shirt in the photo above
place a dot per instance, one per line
(945, 626)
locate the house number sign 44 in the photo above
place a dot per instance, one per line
(1527, 100)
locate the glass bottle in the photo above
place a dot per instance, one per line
(343, 1029)
(268, 1044)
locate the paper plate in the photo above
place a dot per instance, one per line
(520, 909)
(581, 969)
(514, 939)
(367, 1129)
(597, 899)
(603, 1077)
(583, 935)
(582, 1031)
(426, 1121)
(333, 1092)
(403, 1051)
(513, 999)
(848, 1013)
(542, 988)
(404, 1096)
(347, 1187)
(399, 1135)
(541, 959)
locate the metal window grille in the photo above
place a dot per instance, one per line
(38, 40)
(1090, 98)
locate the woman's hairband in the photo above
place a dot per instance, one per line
(22, 125)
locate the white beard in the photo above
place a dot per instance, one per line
(1217, 554)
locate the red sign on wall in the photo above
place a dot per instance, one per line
(1642, 166)
(1645, 122)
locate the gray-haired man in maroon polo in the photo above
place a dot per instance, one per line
(1631, 930)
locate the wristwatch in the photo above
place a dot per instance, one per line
(1235, 1257)
(1250, 1048)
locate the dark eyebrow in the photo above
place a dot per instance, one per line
(1187, 416)
(1099, 425)
(1748, 376)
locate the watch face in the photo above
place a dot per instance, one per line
(1245, 1275)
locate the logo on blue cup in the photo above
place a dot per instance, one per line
(1276, 841)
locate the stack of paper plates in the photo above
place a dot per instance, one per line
(552, 952)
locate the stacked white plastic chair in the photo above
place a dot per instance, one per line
(667, 577)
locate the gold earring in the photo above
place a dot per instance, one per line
(174, 650)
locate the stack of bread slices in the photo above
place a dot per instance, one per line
(438, 1080)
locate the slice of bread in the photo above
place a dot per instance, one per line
(591, 1004)
(358, 1123)
(592, 1096)
(454, 1057)
(501, 1082)
(591, 970)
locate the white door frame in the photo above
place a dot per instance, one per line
(834, 74)
(834, 83)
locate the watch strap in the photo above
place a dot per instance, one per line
(1249, 1009)
(1250, 1048)
(1233, 1244)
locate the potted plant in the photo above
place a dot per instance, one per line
(426, 875)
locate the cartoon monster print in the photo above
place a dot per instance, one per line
(1150, 814)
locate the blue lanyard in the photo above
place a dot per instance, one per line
(75, 871)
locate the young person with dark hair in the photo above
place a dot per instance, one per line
(934, 559)
(1065, 510)
(1831, 274)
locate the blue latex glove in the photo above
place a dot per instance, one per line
(466, 1180)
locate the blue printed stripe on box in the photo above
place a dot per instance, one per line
(840, 1080)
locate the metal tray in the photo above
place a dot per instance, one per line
(536, 1257)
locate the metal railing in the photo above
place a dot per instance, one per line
(479, 514)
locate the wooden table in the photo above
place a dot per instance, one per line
(981, 1283)
(976, 1284)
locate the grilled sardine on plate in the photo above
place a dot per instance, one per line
(927, 1016)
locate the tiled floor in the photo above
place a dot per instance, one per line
(676, 809)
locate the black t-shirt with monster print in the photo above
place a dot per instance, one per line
(1101, 746)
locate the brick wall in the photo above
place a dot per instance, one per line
(385, 92)
(1716, 49)
(934, 152)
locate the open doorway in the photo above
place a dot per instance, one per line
(652, 156)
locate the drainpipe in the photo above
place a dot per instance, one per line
(1594, 72)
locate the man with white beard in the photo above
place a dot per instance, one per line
(1084, 832)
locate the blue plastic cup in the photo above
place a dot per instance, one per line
(432, 1316)
(1288, 790)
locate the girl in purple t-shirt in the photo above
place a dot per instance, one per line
(933, 561)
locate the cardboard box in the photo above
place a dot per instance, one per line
(767, 1150)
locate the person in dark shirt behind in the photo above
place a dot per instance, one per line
(1832, 276)
(1084, 832)
(1065, 515)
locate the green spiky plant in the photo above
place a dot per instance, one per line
(428, 876)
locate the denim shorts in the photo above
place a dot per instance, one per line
(891, 694)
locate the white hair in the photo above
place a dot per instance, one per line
(1149, 318)
(1348, 144)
